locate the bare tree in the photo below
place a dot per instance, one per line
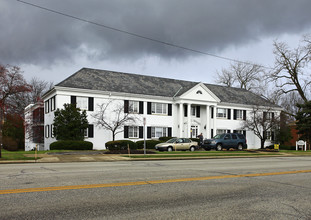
(21, 100)
(242, 75)
(111, 116)
(225, 77)
(261, 122)
(290, 73)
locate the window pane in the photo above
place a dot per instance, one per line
(164, 109)
(82, 103)
(158, 108)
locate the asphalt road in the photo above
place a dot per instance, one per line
(243, 188)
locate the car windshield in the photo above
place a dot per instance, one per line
(171, 140)
(218, 136)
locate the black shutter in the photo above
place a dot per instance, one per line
(244, 115)
(212, 133)
(126, 106)
(141, 132)
(198, 111)
(73, 99)
(149, 108)
(234, 114)
(169, 132)
(91, 131)
(272, 116)
(141, 107)
(91, 104)
(54, 104)
(185, 110)
(169, 109)
(244, 132)
(264, 116)
(229, 113)
(126, 131)
(148, 132)
(212, 112)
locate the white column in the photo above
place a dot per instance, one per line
(208, 123)
(181, 119)
(189, 119)
(215, 120)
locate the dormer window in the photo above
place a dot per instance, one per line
(199, 92)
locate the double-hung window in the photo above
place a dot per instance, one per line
(157, 132)
(47, 131)
(221, 131)
(159, 108)
(133, 132)
(82, 103)
(239, 114)
(193, 111)
(53, 104)
(46, 106)
(221, 113)
(133, 107)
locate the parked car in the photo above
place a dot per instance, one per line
(226, 141)
(177, 144)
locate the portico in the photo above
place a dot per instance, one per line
(195, 118)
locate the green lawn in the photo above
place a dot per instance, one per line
(17, 155)
(23, 155)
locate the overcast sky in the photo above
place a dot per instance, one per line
(52, 47)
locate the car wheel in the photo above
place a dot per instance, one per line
(219, 147)
(240, 147)
(192, 148)
(169, 149)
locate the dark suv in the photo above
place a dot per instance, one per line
(227, 141)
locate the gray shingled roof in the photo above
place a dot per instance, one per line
(104, 80)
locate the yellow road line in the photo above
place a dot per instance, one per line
(55, 188)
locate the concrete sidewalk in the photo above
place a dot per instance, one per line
(69, 157)
(45, 158)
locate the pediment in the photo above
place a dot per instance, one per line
(200, 93)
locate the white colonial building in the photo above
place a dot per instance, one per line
(170, 107)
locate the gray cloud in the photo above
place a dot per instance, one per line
(31, 35)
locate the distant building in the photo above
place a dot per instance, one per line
(34, 126)
(170, 107)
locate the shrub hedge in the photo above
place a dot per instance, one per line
(120, 145)
(71, 145)
(149, 144)
(287, 147)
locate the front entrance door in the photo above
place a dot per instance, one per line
(194, 131)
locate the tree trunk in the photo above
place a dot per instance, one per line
(262, 144)
(113, 135)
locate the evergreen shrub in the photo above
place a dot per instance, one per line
(150, 144)
(164, 139)
(120, 145)
(71, 145)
